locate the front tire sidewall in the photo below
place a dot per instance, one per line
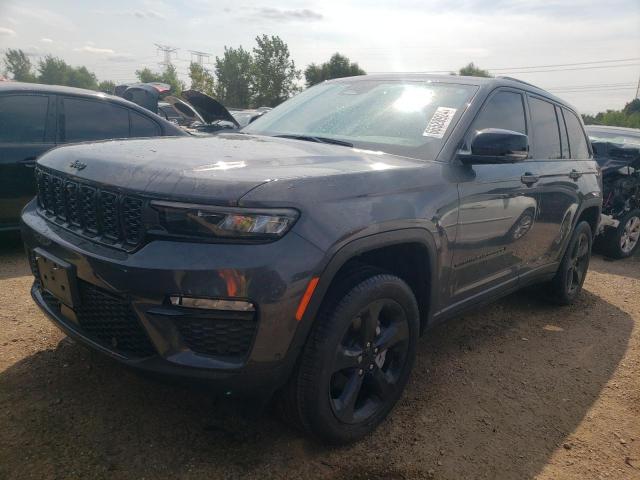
(319, 355)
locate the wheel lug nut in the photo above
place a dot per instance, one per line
(371, 366)
(360, 372)
(375, 350)
(360, 359)
(368, 345)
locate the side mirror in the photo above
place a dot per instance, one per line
(494, 146)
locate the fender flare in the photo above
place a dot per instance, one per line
(337, 257)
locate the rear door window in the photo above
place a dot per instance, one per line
(142, 126)
(546, 134)
(577, 139)
(503, 110)
(23, 118)
(93, 120)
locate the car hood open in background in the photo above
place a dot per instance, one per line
(195, 106)
(216, 169)
(209, 108)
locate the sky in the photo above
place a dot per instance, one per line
(593, 47)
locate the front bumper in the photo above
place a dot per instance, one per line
(123, 310)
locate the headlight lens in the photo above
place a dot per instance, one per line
(223, 222)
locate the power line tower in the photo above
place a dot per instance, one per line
(199, 57)
(167, 50)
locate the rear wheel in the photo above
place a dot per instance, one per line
(356, 362)
(568, 281)
(623, 241)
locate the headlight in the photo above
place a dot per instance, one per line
(223, 222)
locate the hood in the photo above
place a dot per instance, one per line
(185, 109)
(209, 108)
(218, 169)
(613, 156)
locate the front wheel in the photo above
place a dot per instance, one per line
(356, 362)
(568, 281)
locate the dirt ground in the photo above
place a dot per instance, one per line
(519, 389)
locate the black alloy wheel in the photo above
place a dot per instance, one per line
(369, 361)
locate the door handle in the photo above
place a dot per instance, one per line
(529, 179)
(29, 162)
(574, 174)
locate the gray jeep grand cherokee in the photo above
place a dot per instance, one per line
(304, 256)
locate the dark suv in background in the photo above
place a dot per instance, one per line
(35, 118)
(306, 254)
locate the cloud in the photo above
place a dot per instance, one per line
(46, 40)
(7, 32)
(147, 14)
(303, 15)
(99, 51)
(120, 57)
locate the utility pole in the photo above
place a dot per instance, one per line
(167, 50)
(638, 89)
(199, 56)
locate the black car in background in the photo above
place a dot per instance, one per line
(617, 151)
(35, 118)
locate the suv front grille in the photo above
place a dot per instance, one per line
(103, 317)
(103, 215)
(109, 319)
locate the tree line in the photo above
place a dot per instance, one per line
(629, 116)
(266, 75)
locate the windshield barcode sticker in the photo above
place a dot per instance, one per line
(439, 123)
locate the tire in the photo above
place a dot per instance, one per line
(624, 241)
(342, 388)
(567, 283)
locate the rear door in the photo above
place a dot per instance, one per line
(559, 177)
(497, 210)
(27, 129)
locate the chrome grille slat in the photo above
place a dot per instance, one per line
(103, 215)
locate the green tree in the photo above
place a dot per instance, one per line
(338, 66)
(201, 79)
(233, 77)
(471, 70)
(274, 72)
(168, 76)
(55, 71)
(629, 116)
(632, 107)
(17, 63)
(107, 86)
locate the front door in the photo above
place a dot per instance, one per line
(24, 136)
(498, 209)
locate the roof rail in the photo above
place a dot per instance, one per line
(518, 80)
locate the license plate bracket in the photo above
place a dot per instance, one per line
(57, 277)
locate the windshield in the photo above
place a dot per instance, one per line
(398, 117)
(613, 136)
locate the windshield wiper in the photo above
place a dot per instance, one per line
(310, 138)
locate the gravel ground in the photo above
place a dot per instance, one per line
(517, 390)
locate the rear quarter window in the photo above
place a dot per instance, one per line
(23, 118)
(142, 126)
(577, 139)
